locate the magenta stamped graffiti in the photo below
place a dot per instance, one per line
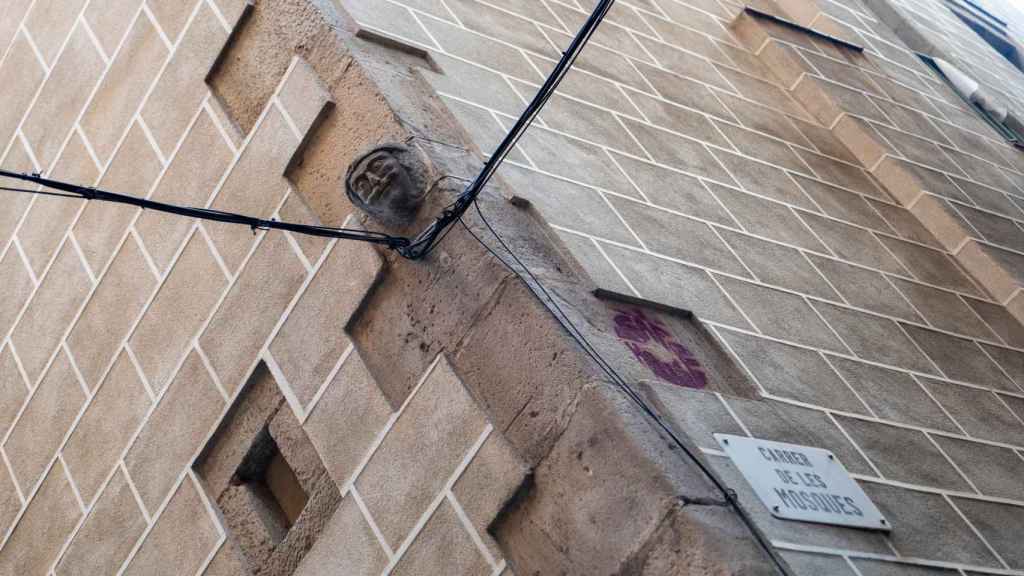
(655, 347)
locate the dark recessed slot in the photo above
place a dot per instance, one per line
(276, 494)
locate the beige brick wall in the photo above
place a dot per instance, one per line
(839, 220)
(816, 207)
(128, 335)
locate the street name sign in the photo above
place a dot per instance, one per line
(802, 483)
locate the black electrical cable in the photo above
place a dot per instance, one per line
(551, 304)
(86, 193)
(424, 244)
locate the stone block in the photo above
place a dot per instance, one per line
(18, 286)
(108, 535)
(109, 21)
(865, 288)
(243, 322)
(182, 539)
(597, 268)
(255, 186)
(854, 244)
(764, 179)
(111, 312)
(979, 411)
(906, 224)
(568, 204)
(66, 91)
(22, 73)
(49, 23)
(52, 514)
(185, 300)
(926, 526)
(685, 193)
(679, 152)
(807, 564)
(666, 115)
(228, 561)
(105, 429)
(313, 337)
(490, 481)
(50, 217)
(430, 438)
(121, 91)
(574, 159)
(1011, 361)
(13, 390)
(781, 314)
(994, 228)
(675, 284)
(172, 16)
(766, 218)
(893, 395)
(659, 230)
(16, 11)
(685, 91)
(17, 159)
(842, 204)
(999, 320)
(995, 269)
(792, 372)
(443, 547)
(882, 568)
(40, 431)
(875, 338)
(779, 265)
(764, 120)
(188, 181)
(993, 469)
(10, 502)
(696, 413)
(346, 545)
(904, 454)
(352, 408)
(102, 225)
(960, 358)
(990, 198)
(999, 524)
(57, 300)
(944, 310)
(849, 176)
(180, 89)
(764, 148)
(464, 44)
(905, 181)
(295, 209)
(174, 433)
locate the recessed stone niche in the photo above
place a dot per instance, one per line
(267, 480)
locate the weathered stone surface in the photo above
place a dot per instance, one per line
(181, 87)
(174, 432)
(443, 547)
(997, 523)
(22, 72)
(311, 341)
(346, 545)
(979, 411)
(960, 359)
(103, 542)
(429, 439)
(243, 322)
(993, 469)
(792, 372)
(189, 181)
(354, 408)
(488, 483)
(806, 564)
(65, 92)
(46, 419)
(49, 22)
(43, 528)
(112, 310)
(13, 390)
(121, 91)
(103, 432)
(875, 338)
(182, 539)
(173, 318)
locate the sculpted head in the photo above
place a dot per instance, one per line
(386, 183)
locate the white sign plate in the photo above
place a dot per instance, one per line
(802, 483)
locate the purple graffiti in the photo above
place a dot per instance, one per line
(650, 341)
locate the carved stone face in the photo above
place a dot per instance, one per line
(382, 185)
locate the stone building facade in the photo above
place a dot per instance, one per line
(773, 220)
